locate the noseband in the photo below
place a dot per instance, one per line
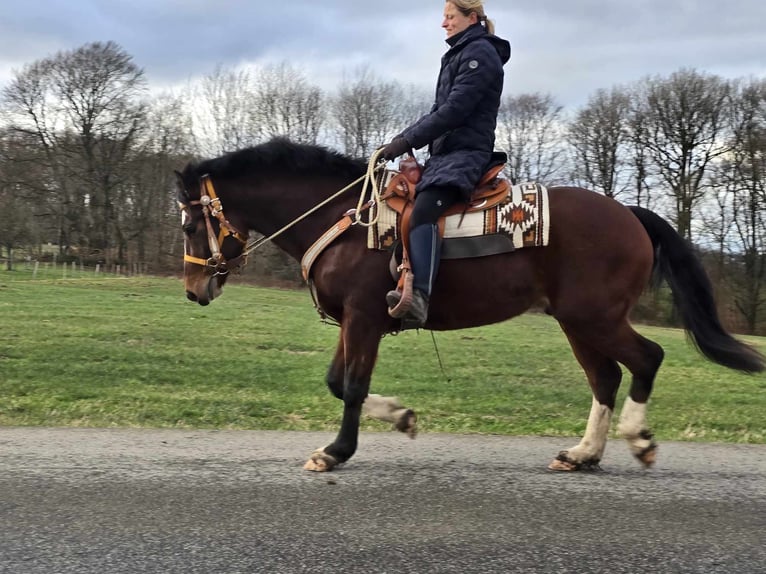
(211, 206)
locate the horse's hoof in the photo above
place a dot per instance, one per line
(320, 461)
(562, 465)
(408, 423)
(648, 456)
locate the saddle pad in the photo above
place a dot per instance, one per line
(523, 218)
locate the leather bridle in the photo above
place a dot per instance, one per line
(212, 207)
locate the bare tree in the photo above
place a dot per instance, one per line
(31, 111)
(638, 156)
(531, 131)
(368, 111)
(598, 135)
(223, 112)
(743, 175)
(17, 211)
(150, 214)
(83, 108)
(287, 105)
(684, 126)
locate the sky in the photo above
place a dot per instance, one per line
(565, 48)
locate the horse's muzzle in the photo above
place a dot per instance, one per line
(191, 296)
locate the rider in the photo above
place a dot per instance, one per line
(460, 133)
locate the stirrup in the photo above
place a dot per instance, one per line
(405, 301)
(393, 297)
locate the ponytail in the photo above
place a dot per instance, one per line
(488, 24)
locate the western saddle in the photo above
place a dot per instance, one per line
(399, 194)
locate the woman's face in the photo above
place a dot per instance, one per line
(455, 21)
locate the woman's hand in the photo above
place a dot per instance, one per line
(398, 146)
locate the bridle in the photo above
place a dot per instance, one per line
(212, 207)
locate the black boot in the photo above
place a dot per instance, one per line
(425, 254)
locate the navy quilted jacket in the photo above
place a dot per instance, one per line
(460, 128)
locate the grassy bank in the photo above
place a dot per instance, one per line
(115, 351)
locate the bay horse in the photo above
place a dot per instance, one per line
(600, 258)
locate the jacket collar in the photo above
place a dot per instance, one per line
(466, 35)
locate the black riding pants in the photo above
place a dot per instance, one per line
(431, 203)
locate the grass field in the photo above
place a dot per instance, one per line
(128, 352)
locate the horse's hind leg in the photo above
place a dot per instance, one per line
(642, 358)
(604, 375)
(643, 365)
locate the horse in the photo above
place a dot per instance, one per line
(600, 258)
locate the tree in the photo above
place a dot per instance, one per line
(684, 122)
(16, 210)
(638, 157)
(150, 215)
(287, 105)
(742, 174)
(223, 112)
(83, 108)
(598, 135)
(531, 131)
(367, 112)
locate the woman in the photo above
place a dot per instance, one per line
(460, 133)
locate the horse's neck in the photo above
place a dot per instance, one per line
(289, 201)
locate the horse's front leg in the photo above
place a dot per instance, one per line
(358, 348)
(391, 410)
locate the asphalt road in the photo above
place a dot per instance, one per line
(142, 501)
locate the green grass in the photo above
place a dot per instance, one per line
(132, 352)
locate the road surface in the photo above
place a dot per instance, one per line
(169, 501)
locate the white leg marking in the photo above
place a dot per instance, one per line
(388, 409)
(632, 424)
(593, 443)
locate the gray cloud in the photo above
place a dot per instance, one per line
(568, 49)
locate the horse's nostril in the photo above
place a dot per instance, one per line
(191, 296)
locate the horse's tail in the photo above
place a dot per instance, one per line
(693, 296)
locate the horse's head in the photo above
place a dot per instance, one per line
(213, 246)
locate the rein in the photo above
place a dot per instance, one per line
(368, 177)
(211, 205)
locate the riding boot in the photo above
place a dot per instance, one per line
(425, 254)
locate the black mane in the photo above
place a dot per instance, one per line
(279, 154)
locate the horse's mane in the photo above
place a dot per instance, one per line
(280, 154)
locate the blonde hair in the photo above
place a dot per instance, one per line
(469, 6)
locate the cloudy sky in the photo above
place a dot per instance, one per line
(566, 48)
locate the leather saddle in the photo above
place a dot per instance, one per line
(399, 194)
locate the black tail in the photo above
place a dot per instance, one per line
(693, 297)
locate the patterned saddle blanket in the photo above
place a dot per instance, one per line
(522, 220)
